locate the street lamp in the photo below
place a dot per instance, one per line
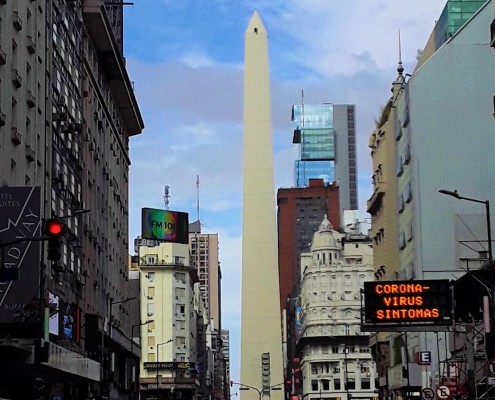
(110, 331)
(243, 386)
(132, 343)
(158, 360)
(487, 212)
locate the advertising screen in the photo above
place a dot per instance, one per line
(411, 302)
(165, 225)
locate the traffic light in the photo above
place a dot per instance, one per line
(265, 370)
(54, 228)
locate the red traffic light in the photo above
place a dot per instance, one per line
(54, 227)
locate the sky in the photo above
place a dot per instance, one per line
(185, 59)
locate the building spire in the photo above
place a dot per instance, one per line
(400, 68)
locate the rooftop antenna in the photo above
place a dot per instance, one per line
(166, 196)
(400, 68)
(197, 195)
(302, 137)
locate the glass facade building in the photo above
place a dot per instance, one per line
(454, 15)
(326, 137)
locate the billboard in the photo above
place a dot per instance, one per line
(20, 218)
(425, 302)
(165, 225)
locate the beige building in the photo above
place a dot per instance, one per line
(169, 347)
(336, 360)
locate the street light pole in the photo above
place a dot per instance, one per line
(487, 212)
(471, 362)
(243, 386)
(110, 330)
(132, 344)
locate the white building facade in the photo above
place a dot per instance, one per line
(336, 361)
(168, 306)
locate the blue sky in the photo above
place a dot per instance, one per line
(185, 58)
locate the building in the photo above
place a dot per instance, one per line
(430, 143)
(169, 339)
(299, 213)
(327, 146)
(226, 357)
(204, 257)
(335, 357)
(261, 355)
(67, 113)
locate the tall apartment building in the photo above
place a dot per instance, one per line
(67, 112)
(425, 144)
(205, 259)
(299, 213)
(335, 357)
(326, 134)
(169, 338)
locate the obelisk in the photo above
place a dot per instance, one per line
(260, 319)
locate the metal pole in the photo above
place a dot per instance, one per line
(489, 232)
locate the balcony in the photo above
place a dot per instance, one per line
(375, 201)
(15, 136)
(3, 56)
(30, 153)
(30, 99)
(31, 46)
(16, 21)
(16, 78)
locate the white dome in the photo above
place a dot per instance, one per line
(326, 237)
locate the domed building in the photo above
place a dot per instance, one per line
(336, 360)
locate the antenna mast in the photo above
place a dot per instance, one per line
(166, 196)
(302, 139)
(197, 195)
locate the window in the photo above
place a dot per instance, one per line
(336, 384)
(151, 357)
(151, 276)
(151, 309)
(402, 241)
(180, 341)
(314, 386)
(151, 340)
(407, 154)
(325, 384)
(399, 166)
(365, 384)
(400, 203)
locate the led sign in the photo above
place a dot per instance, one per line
(165, 225)
(415, 302)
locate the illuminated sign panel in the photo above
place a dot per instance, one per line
(165, 225)
(415, 302)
